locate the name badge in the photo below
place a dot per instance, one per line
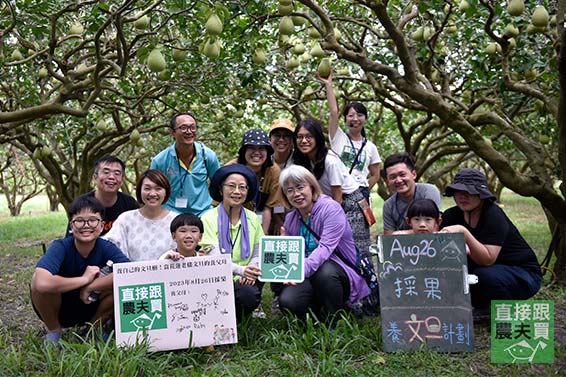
(279, 209)
(181, 202)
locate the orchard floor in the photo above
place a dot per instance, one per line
(19, 253)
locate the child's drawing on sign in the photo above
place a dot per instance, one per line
(144, 322)
(432, 325)
(197, 313)
(223, 334)
(215, 301)
(388, 268)
(451, 251)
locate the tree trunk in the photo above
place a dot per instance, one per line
(53, 198)
(560, 264)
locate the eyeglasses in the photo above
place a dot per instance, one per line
(305, 137)
(80, 223)
(232, 187)
(299, 188)
(184, 128)
(280, 136)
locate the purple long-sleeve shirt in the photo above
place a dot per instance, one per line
(329, 221)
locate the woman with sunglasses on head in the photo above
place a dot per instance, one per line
(359, 154)
(143, 234)
(333, 177)
(330, 283)
(236, 231)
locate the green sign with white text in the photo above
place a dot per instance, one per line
(522, 331)
(142, 307)
(282, 259)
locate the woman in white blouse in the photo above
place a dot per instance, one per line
(143, 234)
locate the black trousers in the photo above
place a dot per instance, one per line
(247, 297)
(325, 293)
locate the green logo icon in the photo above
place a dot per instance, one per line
(282, 259)
(142, 307)
(522, 331)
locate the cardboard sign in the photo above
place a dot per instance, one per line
(423, 287)
(281, 259)
(174, 305)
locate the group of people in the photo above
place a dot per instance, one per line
(287, 182)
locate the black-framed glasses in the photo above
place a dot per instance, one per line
(80, 223)
(232, 187)
(185, 128)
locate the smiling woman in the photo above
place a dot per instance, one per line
(143, 234)
(236, 231)
(330, 284)
(256, 153)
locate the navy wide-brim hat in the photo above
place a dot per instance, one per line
(471, 181)
(256, 137)
(221, 174)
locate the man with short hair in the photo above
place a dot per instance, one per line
(188, 165)
(66, 276)
(108, 177)
(400, 174)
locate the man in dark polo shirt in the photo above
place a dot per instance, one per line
(108, 177)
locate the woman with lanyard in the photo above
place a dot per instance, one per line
(358, 154)
(255, 153)
(333, 177)
(330, 283)
(237, 231)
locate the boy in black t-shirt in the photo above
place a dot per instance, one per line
(67, 275)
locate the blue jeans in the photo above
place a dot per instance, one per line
(502, 282)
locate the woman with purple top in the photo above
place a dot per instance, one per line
(330, 284)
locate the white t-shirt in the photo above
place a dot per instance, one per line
(336, 174)
(141, 238)
(369, 156)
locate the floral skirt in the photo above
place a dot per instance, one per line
(357, 220)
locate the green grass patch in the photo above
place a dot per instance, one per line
(276, 346)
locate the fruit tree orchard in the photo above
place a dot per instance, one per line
(455, 83)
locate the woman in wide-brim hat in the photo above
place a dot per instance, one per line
(236, 231)
(506, 266)
(256, 153)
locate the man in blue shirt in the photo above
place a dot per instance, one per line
(67, 274)
(189, 165)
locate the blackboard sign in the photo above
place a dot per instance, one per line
(423, 287)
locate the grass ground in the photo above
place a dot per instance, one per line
(276, 346)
